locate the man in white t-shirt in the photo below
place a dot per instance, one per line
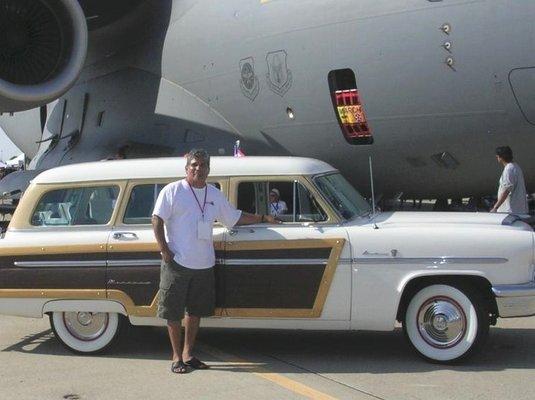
(183, 216)
(276, 205)
(512, 190)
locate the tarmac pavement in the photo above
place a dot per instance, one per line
(263, 365)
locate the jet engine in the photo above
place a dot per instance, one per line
(43, 45)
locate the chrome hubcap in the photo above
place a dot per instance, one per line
(441, 322)
(86, 326)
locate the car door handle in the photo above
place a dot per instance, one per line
(233, 232)
(125, 236)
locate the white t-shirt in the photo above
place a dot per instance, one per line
(177, 207)
(277, 208)
(513, 179)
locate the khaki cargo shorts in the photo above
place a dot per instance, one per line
(185, 289)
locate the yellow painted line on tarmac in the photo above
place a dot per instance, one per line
(271, 376)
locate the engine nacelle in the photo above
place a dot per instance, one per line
(43, 45)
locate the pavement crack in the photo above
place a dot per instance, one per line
(323, 376)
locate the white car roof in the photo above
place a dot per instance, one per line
(173, 167)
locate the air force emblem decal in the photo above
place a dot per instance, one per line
(279, 77)
(249, 81)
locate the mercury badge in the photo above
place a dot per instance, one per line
(249, 81)
(279, 77)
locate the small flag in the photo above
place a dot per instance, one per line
(237, 150)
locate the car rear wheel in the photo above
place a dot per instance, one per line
(445, 323)
(86, 332)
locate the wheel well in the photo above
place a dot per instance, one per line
(471, 283)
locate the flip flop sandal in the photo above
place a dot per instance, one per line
(178, 367)
(195, 363)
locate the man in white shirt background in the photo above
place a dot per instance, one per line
(183, 216)
(512, 189)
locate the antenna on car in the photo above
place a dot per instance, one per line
(373, 193)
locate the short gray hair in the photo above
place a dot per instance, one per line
(199, 154)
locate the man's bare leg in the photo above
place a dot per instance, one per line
(174, 329)
(191, 324)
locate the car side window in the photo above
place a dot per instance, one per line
(288, 201)
(76, 206)
(141, 203)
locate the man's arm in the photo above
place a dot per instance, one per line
(501, 199)
(158, 227)
(248, 219)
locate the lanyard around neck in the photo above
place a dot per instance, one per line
(197, 200)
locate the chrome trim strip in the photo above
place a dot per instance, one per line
(277, 261)
(430, 260)
(522, 290)
(57, 264)
(134, 263)
(114, 282)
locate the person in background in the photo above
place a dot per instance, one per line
(512, 189)
(276, 205)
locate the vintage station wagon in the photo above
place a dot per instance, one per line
(80, 249)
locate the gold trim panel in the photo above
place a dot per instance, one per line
(150, 310)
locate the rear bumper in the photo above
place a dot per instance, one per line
(515, 300)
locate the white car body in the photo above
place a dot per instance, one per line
(369, 272)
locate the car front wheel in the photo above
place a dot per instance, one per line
(445, 323)
(86, 332)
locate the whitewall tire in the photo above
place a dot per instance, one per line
(86, 332)
(445, 324)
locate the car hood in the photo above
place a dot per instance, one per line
(404, 218)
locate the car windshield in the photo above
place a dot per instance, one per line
(342, 196)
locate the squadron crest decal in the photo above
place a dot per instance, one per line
(249, 81)
(279, 77)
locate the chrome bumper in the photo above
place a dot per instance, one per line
(515, 300)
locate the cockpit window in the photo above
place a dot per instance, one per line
(342, 196)
(76, 206)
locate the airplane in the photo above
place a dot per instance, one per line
(426, 88)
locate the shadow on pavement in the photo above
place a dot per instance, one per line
(243, 350)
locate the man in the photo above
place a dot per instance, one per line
(276, 206)
(187, 210)
(512, 189)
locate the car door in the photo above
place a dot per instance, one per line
(297, 269)
(133, 273)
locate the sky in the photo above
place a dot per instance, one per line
(7, 148)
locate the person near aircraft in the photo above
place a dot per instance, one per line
(182, 219)
(512, 189)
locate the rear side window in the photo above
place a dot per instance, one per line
(141, 203)
(76, 206)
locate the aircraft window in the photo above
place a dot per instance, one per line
(77, 206)
(288, 201)
(348, 107)
(141, 203)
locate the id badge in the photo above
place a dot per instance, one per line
(204, 230)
